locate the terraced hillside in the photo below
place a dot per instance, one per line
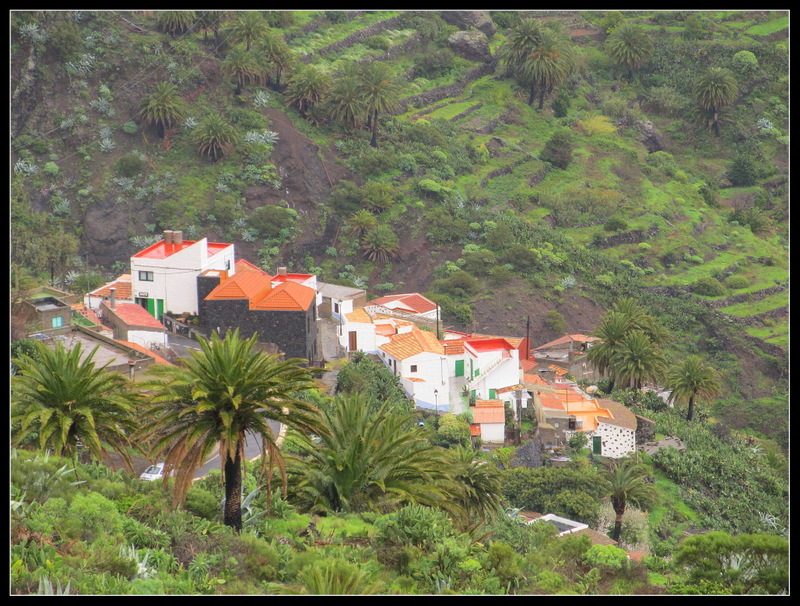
(503, 211)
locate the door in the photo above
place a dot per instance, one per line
(353, 340)
(597, 445)
(459, 368)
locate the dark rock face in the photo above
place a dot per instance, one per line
(529, 455)
(480, 20)
(649, 136)
(472, 45)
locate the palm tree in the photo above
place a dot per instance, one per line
(626, 483)
(176, 22)
(549, 64)
(479, 493)
(307, 86)
(277, 53)
(629, 47)
(214, 136)
(522, 39)
(361, 221)
(693, 380)
(380, 244)
(641, 320)
(222, 395)
(242, 66)
(69, 404)
(613, 329)
(248, 27)
(368, 461)
(380, 94)
(344, 101)
(715, 90)
(164, 107)
(212, 20)
(637, 360)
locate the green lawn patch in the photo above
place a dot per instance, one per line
(770, 27)
(758, 307)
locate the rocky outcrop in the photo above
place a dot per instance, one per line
(649, 136)
(480, 20)
(472, 45)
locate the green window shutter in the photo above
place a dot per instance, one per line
(159, 308)
(58, 322)
(492, 394)
(459, 368)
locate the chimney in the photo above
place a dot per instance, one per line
(281, 271)
(167, 236)
(113, 298)
(177, 237)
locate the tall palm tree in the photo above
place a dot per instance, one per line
(380, 243)
(693, 380)
(522, 39)
(276, 53)
(214, 136)
(381, 94)
(549, 64)
(361, 221)
(715, 90)
(641, 320)
(626, 484)
(248, 27)
(637, 360)
(368, 461)
(176, 22)
(243, 67)
(612, 331)
(629, 46)
(306, 87)
(164, 107)
(69, 404)
(212, 20)
(223, 395)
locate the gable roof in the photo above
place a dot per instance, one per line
(287, 296)
(247, 284)
(242, 265)
(123, 285)
(411, 302)
(359, 316)
(411, 343)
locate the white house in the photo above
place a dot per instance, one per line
(123, 289)
(418, 358)
(489, 420)
(131, 322)
(483, 368)
(164, 275)
(336, 300)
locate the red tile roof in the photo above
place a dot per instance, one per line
(577, 338)
(242, 265)
(123, 286)
(162, 250)
(247, 284)
(133, 315)
(144, 350)
(413, 302)
(256, 286)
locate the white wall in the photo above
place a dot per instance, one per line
(493, 432)
(146, 338)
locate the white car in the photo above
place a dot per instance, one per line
(154, 472)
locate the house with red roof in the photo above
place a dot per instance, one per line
(489, 420)
(409, 304)
(567, 354)
(123, 292)
(280, 309)
(164, 275)
(131, 322)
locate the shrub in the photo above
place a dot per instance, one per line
(558, 149)
(737, 281)
(709, 287)
(555, 321)
(743, 171)
(129, 165)
(598, 125)
(51, 168)
(561, 105)
(378, 43)
(202, 503)
(615, 224)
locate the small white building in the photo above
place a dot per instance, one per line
(164, 275)
(409, 304)
(336, 301)
(417, 357)
(489, 421)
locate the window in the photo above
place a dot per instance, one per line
(146, 276)
(58, 322)
(413, 368)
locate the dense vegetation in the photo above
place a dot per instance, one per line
(585, 161)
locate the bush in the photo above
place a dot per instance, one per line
(737, 281)
(558, 149)
(378, 43)
(202, 503)
(51, 168)
(615, 224)
(129, 165)
(555, 322)
(561, 106)
(743, 171)
(709, 287)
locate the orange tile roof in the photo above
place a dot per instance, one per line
(510, 388)
(246, 284)
(536, 379)
(359, 315)
(489, 411)
(557, 369)
(288, 296)
(123, 286)
(411, 343)
(134, 315)
(242, 265)
(414, 302)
